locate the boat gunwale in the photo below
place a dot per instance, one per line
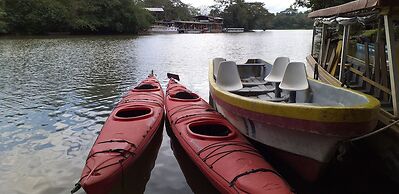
(360, 113)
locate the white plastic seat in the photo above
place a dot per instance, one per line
(295, 78)
(278, 70)
(216, 64)
(228, 77)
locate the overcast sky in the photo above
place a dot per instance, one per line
(272, 5)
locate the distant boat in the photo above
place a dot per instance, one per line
(190, 31)
(301, 120)
(233, 30)
(159, 29)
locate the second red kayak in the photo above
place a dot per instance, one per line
(224, 156)
(123, 138)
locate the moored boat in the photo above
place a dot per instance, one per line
(125, 135)
(301, 119)
(160, 29)
(225, 157)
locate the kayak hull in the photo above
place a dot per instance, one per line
(125, 135)
(224, 156)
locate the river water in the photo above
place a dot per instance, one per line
(56, 93)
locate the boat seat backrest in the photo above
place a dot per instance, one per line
(216, 64)
(295, 78)
(278, 69)
(228, 77)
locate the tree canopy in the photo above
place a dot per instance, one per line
(319, 4)
(75, 16)
(238, 13)
(292, 19)
(173, 9)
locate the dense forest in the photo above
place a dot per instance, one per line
(128, 16)
(238, 13)
(84, 16)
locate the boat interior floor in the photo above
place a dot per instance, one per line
(253, 81)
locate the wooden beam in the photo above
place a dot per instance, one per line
(368, 70)
(344, 52)
(324, 61)
(393, 58)
(336, 59)
(322, 45)
(314, 34)
(371, 82)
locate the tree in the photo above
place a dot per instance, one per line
(258, 16)
(319, 4)
(173, 9)
(290, 18)
(3, 24)
(238, 13)
(35, 16)
(76, 16)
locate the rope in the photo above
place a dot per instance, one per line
(196, 114)
(219, 145)
(232, 182)
(119, 140)
(142, 100)
(374, 132)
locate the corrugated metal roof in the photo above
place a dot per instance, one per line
(154, 9)
(352, 7)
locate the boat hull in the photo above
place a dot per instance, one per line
(315, 151)
(224, 156)
(125, 135)
(304, 136)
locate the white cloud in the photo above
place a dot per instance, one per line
(272, 5)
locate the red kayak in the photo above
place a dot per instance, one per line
(124, 136)
(224, 156)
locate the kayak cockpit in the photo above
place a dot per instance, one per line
(133, 113)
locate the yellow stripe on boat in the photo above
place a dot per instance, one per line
(350, 114)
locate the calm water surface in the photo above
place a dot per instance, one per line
(56, 93)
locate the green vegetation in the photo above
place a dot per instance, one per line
(174, 9)
(292, 19)
(128, 16)
(3, 24)
(320, 4)
(238, 13)
(72, 16)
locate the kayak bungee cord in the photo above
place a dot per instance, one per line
(221, 145)
(139, 100)
(78, 185)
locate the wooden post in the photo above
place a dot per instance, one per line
(393, 59)
(322, 45)
(344, 54)
(367, 64)
(314, 34)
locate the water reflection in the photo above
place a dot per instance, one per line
(136, 177)
(195, 178)
(56, 93)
